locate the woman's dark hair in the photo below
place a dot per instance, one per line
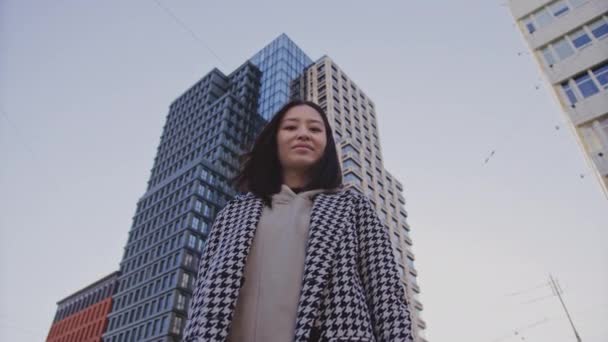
(261, 172)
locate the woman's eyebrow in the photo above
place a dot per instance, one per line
(309, 120)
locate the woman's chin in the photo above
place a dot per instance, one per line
(301, 163)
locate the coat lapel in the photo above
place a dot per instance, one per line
(320, 254)
(240, 232)
(320, 251)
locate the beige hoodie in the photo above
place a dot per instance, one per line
(268, 301)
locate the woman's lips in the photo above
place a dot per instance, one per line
(302, 147)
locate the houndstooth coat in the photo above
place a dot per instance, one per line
(350, 290)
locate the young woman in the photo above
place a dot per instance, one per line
(297, 258)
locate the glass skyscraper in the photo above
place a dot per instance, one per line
(207, 128)
(280, 62)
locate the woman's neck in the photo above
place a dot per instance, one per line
(295, 180)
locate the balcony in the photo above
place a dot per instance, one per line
(589, 108)
(421, 324)
(559, 24)
(521, 8)
(583, 59)
(600, 159)
(353, 155)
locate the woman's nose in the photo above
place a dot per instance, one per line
(303, 134)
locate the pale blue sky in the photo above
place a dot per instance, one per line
(85, 87)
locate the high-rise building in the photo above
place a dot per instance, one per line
(569, 40)
(82, 316)
(352, 115)
(207, 128)
(280, 62)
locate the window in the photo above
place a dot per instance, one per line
(586, 85)
(155, 330)
(580, 38)
(351, 177)
(181, 302)
(348, 163)
(548, 55)
(569, 93)
(348, 148)
(338, 136)
(563, 48)
(195, 222)
(604, 125)
(412, 279)
(599, 28)
(601, 74)
(188, 260)
(559, 8)
(382, 216)
(410, 262)
(167, 300)
(401, 270)
(543, 17)
(163, 322)
(177, 325)
(185, 280)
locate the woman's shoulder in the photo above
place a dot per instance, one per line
(242, 196)
(348, 195)
(340, 193)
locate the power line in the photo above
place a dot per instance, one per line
(527, 290)
(189, 30)
(534, 300)
(517, 331)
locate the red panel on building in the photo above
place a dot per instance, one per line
(83, 316)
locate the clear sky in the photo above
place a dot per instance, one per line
(85, 87)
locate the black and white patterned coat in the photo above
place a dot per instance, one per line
(351, 289)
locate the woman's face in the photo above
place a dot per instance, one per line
(301, 138)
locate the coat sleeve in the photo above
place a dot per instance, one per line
(384, 293)
(195, 316)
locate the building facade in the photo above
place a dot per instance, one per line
(207, 128)
(280, 62)
(83, 316)
(569, 40)
(352, 115)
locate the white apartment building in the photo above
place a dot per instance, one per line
(569, 39)
(354, 122)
